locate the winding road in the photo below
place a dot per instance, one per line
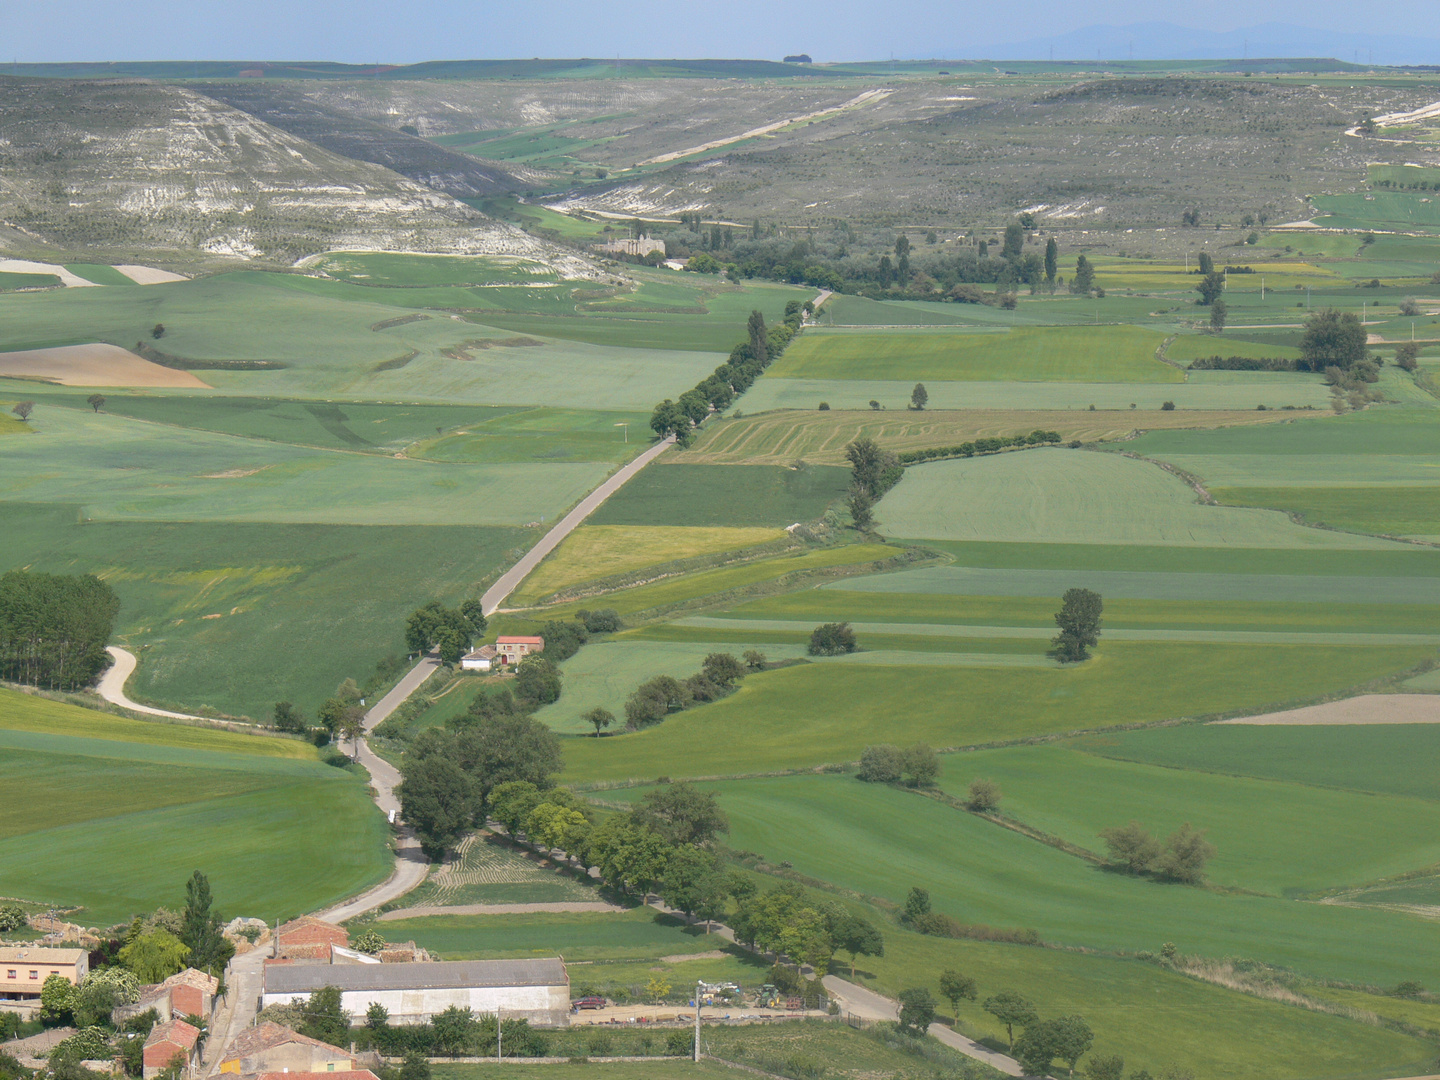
(410, 864)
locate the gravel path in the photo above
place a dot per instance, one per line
(421, 911)
(1364, 709)
(112, 686)
(868, 1005)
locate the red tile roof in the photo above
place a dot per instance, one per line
(518, 639)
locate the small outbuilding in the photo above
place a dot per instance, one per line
(482, 659)
(535, 990)
(169, 1042)
(273, 1048)
(186, 993)
(309, 938)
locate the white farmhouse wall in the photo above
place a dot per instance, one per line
(547, 1006)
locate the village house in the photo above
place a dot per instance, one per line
(514, 647)
(536, 990)
(273, 1048)
(24, 969)
(169, 1042)
(643, 245)
(186, 993)
(479, 660)
(309, 938)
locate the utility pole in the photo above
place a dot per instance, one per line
(699, 986)
(1262, 286)
(499, 1037)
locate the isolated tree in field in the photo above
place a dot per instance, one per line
(1332, 339)
(23, 409)
(917, 1010)
(1407, 356)
(754, 660)
(1410, 307)
(1186, 853)
(1079, 622)
(956, 988)
(831, 639)
(882, 764)
(1210, 287)
(919, 397)
(1052, 260)
(1105, 1067)
(1083, 283)
(599, 718)
(984, 796)
(96, 401)
(1206, 264)
(1132, 847)
(921, 765)
(1013, 1011)
(1219, 311)
(857, 937)
(158, 331)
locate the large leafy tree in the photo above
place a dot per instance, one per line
(917, 1010)
(858, 937)
(1012, 1010)
(154, 955)
(682, 813)
(1332, 339)
(1079, 622)
(438, 799)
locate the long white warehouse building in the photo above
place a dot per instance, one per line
(535, 990)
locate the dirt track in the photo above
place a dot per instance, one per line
(1365, 709)
(93, 365)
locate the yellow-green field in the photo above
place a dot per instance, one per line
(1114, 273)
(597, 551)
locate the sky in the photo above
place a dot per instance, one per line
(410, 31)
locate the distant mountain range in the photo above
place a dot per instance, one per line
(1166, 41)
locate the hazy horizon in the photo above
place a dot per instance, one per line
(366, 31)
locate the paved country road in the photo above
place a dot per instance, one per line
(410, 863)
(496, 594)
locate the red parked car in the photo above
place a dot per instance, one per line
(589, 1003)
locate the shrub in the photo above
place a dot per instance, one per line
(832, 639)
(824, 406)
(1168, 406)
(984, 796)
(679, 1044)
(11, 917)
(882, 764)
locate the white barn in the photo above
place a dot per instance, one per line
(535, 990)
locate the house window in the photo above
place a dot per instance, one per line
(35, 974)
(330, 1066)
(10, 974)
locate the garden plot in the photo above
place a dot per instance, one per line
(485, 870)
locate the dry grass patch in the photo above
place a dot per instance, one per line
(780, 438)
